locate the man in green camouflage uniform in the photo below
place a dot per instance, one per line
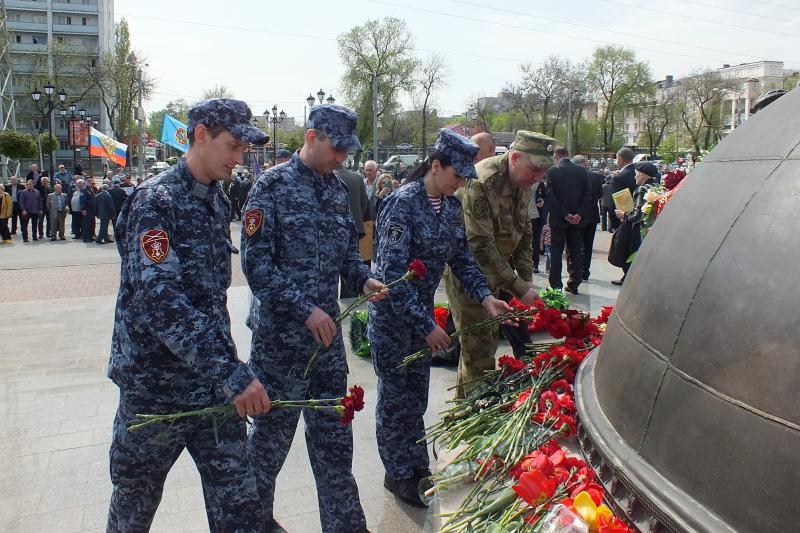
(499, 234)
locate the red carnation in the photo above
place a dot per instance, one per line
(440, 315)
(510, 365)
(418, 269)
(351, 403)
(357, 394)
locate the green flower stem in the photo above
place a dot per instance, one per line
(491, 321)
(143, 420)
(358, 301)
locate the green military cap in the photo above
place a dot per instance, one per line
(537, 145)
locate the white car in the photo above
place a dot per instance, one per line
(160, 167)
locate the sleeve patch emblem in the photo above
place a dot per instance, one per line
(480, 208)
(253, 218)
(394, 233)
(155, 244)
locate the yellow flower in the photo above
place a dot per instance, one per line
(589, 511)
(647, 208)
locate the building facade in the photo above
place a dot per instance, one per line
(57, 41)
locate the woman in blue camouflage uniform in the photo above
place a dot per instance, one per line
(421, 220)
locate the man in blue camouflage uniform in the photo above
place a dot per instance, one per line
(298, 237)
(421, 220)
(172, 348)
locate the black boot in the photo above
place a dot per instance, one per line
(274, 527)
(405, 489)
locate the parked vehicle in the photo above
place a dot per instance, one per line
(159, 167)
(393, 163)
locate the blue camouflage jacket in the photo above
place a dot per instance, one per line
(408, 228)
(172, 342)
(298, 236)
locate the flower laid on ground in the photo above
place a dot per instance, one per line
(346, 406)
(416, 270)
(505, 432)
(554, 298)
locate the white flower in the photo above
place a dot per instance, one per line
(651, 196)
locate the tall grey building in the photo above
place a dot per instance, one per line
(57, 41)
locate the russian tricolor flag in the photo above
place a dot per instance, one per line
(104, 146)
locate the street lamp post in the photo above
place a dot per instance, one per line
(47, 111)
(321, 96)
(276, 119)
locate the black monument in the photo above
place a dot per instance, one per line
(690, 409)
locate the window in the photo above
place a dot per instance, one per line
(84, 21)
(18, 38)
(94, 62)
(37, 124)
(35, 40)
(60, 38)
(63, 144)
(69, 20)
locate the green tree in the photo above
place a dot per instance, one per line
(116, 79)
(667, 150)
(48, 143)
(619, 78)
(376, 53)
(16, 145)
(431, 76)
(701, 112)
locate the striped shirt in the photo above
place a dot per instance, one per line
(436, 203)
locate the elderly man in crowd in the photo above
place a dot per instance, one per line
(57, 210)
(31, 207)
(75, 208)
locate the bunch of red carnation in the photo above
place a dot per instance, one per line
(354, 401)
(510, 364)
(557, 408)
(418, 269)
(605, 314)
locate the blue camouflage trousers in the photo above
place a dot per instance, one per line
(402, 401)
(140, 461)
(329, 443)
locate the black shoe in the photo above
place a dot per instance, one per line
(535, 270)
(422, 473)
(26, 240)
(618, 281)
(62, 238)
(573, 290)
(405, 489)
(35, 239)
(274, 527)
(109, 240)
(52, 238)
(585, 277)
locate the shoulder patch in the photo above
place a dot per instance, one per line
(480, 208)
(253, 218)
(395, 232)
(155, 244)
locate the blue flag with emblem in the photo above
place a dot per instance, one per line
(175, 133)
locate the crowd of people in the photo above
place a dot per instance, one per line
(37, 208)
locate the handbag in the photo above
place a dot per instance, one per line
(620, 248)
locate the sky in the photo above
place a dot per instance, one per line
(276, 53)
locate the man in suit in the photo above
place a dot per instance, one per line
(596, 181)
(45, 189)
(625, 179)
(15, 190)
(31, 207)
(119, 196)
(104, 204)
(35, 175)
(359, 208)
(87, 210)
(57, 208)
(569, 202)
(74, 199)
